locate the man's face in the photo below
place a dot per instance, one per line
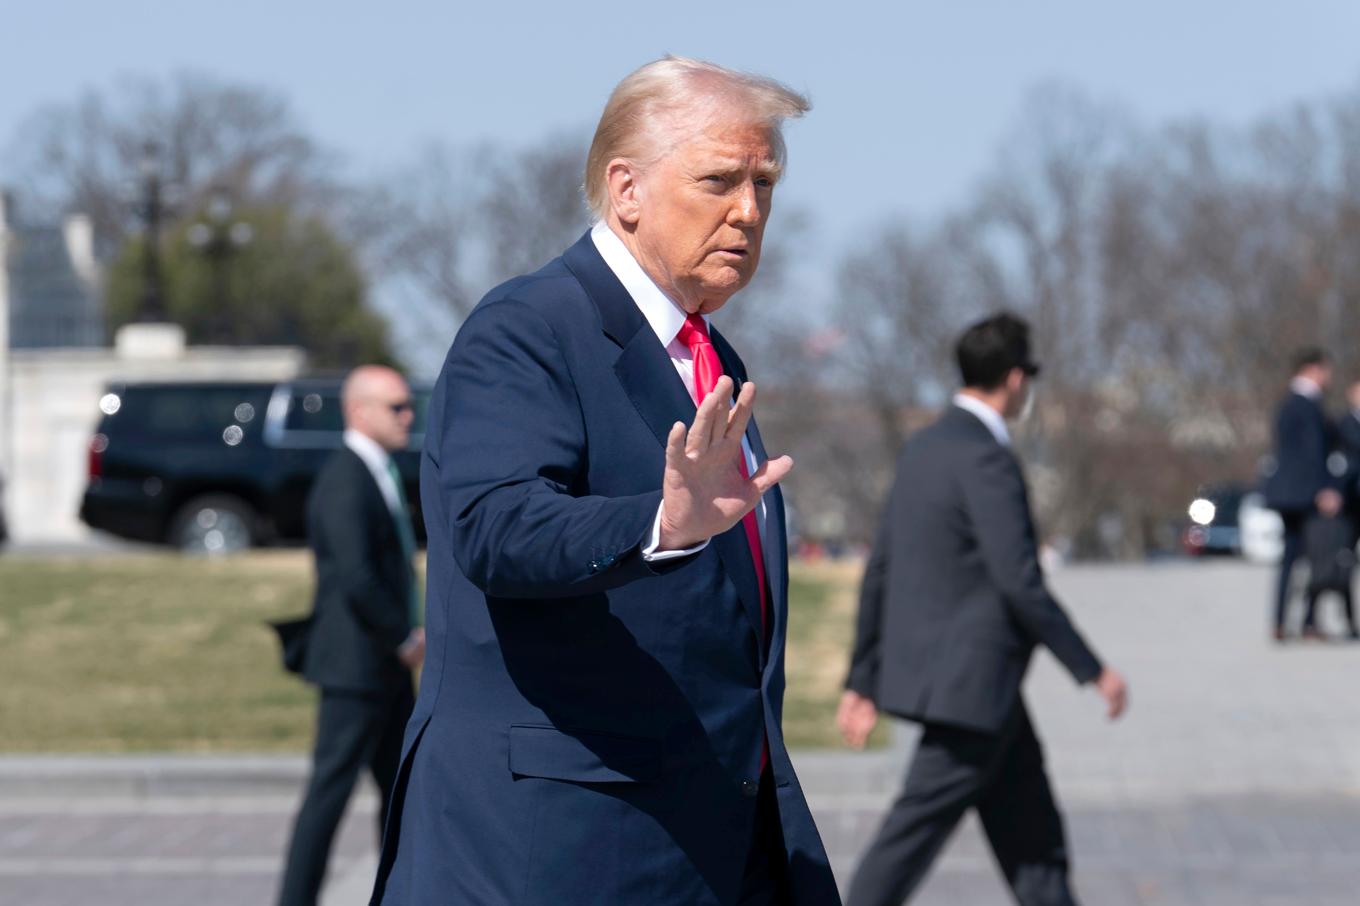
(1318, 374)
(1020, 394)
(1353, 396)
(702, 210)
(384, 412)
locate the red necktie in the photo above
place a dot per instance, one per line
(707, 370)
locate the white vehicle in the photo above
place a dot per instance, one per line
(1262, 530)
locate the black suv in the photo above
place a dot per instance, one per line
(218, 467)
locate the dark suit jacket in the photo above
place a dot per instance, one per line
(953, 600)
(1348, 433)
(361, 613)
(1303, 439)
(590, 726)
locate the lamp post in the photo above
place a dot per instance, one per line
(153, 297)
(219, 239)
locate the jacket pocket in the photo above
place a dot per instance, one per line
(583, 757)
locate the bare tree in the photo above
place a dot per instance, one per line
(205, 134)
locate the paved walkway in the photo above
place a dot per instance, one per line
(1234, 780)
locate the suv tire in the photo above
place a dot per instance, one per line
(213, 525)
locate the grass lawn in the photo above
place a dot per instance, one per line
(150, 652)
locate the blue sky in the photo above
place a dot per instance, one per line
(911, 99)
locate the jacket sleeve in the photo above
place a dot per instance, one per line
(344, 534)
(865, 657)
(998, 506)
(510, 456)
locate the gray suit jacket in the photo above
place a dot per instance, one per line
(953, 600)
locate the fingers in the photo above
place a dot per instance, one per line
(1118, 704)
(675, 444)
(702, 431)
(722, 409)
(740, 415)
(772, 473)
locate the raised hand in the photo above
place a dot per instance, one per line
(702, 491)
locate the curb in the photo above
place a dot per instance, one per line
(139, 776)
(260, 775)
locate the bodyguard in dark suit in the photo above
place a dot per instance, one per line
(952, 606)
(600, 716)
(363, 637)
(1301, 484)
(1348, 433)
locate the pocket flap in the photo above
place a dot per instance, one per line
(584, 757)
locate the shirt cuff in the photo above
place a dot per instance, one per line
(650, 552)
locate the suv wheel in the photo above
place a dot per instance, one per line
(213, 524)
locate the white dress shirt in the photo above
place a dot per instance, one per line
(987, 415)
(376, 458)
(1305, 387)
(665, 318)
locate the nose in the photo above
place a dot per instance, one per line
(745, 210)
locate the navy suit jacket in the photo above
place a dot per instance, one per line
(1348, 434)
(590, 726)
(1303, 440)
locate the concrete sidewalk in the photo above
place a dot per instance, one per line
(1234, 780)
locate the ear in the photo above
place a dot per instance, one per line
(621, 179)
(1015, 380)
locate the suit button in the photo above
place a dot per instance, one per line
(750, 788)
(594, 566)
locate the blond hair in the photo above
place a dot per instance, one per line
(628, 127)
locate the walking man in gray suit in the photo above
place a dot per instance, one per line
(952, 607)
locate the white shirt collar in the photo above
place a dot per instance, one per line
(377, 459)
(987, 415)
(367, 449)
(1305, 387)
(665, 317)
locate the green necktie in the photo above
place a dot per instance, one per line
(408, 542)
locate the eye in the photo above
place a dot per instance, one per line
(764, 182)
(716, 178)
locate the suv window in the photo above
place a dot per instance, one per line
(318, 409)
(194, 414)
(312, 410)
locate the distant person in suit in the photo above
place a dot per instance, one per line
(601, 720)
(1301, 484)
(1348, 433)
(952, 606)
(364, 637)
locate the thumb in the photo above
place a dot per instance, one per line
(772, 472)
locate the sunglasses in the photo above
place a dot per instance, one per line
(1030, 369)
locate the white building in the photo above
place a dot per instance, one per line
(54, 365)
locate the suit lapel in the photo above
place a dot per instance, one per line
(643, 367)
(648, 377)
(772, 544)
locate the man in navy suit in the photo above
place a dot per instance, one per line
(599, 717)
(1301, 484)
(1348, 434)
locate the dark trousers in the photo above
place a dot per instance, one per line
(1002, 776)
(765, 880)
(1293, 546)
(1347, 605)
(354, 731)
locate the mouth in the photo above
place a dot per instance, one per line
(737, 253)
